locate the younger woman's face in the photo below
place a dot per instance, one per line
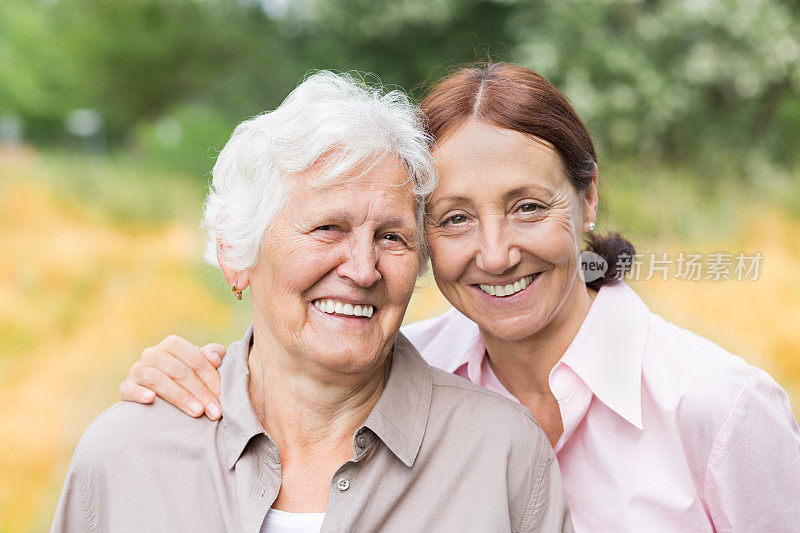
(505, 230)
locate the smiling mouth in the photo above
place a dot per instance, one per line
(335, 307)
(510, 289)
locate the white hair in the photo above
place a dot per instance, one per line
(333, 118)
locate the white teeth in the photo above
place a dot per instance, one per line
(331, 306)
(507, 290)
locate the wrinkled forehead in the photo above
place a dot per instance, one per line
(380, 185)
(341, 166)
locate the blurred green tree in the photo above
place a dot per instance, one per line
(715, 81)
(709, 82)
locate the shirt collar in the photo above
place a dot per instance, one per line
(401, 413)
(398, 418)
(608, 350)
(447, 351)
(238, 417)
(606, 354)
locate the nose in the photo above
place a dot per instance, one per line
(496, 254)
(360, 262)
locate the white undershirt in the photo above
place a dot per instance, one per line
(284, 522)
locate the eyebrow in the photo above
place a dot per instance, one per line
(450, 199)
(396, 222)
(393, 221)
(513, 193)
(520, 191)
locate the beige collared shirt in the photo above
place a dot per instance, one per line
(436, 453)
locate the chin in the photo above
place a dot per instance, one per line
(349, 361)
(512, 329)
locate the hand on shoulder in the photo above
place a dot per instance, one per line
(182, 373)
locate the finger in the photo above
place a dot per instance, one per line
(156, 380)
(214, 352)
(187, 376)
(175, 344)
(194, 373)
(199, 364)
(130, 391)
(191, 356)
(160, 372)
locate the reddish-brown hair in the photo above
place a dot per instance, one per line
(516, 98)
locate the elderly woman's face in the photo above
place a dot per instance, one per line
(505, 229)
(337, 268)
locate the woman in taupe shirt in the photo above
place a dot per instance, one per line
(330, 419)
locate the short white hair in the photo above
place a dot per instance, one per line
(336, 118)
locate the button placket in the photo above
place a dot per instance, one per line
(362, 442)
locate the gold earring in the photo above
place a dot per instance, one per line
(236, 292)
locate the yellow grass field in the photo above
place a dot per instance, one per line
(82, 292)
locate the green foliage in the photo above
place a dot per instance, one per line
(134, 59)
(711, 83)
(188, 138)
(31, 68)
(706, 81)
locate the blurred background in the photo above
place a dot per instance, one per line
(112, 111)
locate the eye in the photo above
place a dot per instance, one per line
(455, 219)
(395, 240)
(326, 227)
(530, 207)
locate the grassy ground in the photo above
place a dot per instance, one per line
(101, 257)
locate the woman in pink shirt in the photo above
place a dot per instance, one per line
(655, 428)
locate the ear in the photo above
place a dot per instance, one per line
(591, 200)
(239, 278)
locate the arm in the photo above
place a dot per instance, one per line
(548, 509)
(74, 512)
(181, 373)
(753, 473)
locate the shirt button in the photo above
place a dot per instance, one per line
(361, 441)
(343, 484)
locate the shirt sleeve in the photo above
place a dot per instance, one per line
(548, 509)
(74, 512)
(753, 473)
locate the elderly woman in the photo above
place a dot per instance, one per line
(330, 420)
(655, 428)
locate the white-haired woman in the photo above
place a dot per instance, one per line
(330, 420)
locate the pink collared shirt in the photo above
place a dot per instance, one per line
(663, 430)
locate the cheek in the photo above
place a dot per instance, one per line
(400, 275)
(449, 257)
(554, 241)
(292, 266)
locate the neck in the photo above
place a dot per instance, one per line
(308, 410)
(523, 366)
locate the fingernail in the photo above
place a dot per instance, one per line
(195, 408)
(148, 395)
(217, 357)
(213, 410)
